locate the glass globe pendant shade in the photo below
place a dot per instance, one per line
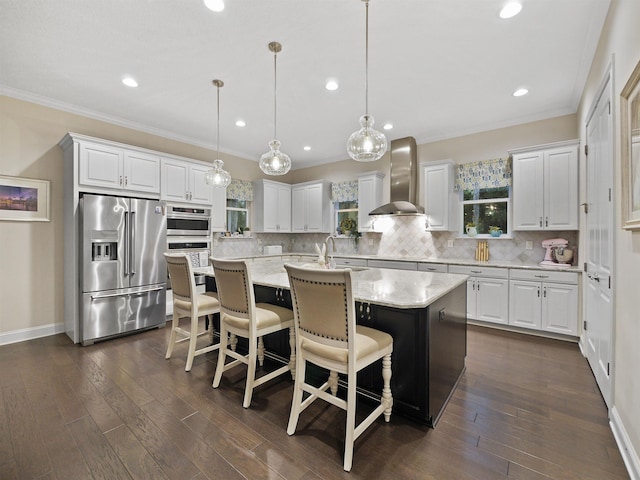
(217, 176)
(367, 144)
(275, 162)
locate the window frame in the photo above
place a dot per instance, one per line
(246, 209)
(337, 211)
(507, 200)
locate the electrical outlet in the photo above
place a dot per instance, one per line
(370, 242)
(528, 245)
(449, 243)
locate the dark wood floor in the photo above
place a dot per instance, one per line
(526, 408)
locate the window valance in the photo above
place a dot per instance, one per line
(240, 190)
(484, 174)
(344, 191)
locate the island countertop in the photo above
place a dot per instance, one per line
(380, 286)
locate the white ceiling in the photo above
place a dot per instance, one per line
(437, 68)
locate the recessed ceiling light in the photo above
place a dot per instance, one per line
(331, 85)
(240, 123)
(130, 82)
(520, 92)
(214, 5)
(307, 148)
(511, 9)
(388, 126)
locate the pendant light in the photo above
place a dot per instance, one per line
(367, 144)
(217, 176)
(275, 162)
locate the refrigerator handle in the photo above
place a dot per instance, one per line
(126, 243)
(132, 243)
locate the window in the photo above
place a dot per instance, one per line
(486, 207)
(237, 215)
(345, 211)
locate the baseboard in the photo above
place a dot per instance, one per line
(629, 455)
(30, 333)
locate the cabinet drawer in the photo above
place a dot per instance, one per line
(480, 271)
(544, 276)
(355, 262)
(398, 265)
(433, 267)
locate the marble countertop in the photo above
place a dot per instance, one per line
(379, 286)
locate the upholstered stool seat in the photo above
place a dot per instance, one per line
(188, 303)
(242, 316)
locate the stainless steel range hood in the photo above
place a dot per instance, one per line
(404, 180)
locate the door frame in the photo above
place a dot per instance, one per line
(608, 81)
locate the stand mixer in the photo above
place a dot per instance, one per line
(557, 254)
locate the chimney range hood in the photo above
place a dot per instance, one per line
(404, 180)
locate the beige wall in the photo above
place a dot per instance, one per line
(31, 263)
(621, 40)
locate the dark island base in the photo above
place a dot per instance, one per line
(429, 350)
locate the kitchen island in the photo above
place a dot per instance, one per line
(424, 312)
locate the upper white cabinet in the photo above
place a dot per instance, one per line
(219, 209)
(272, 206)
(113, 167)
(184, 182)
(369, 198)
(545, 188)
(310, 212)
(439, 199)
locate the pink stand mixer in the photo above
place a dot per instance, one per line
(557, 254)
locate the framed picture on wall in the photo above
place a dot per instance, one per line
(24, 199)
(630, 128)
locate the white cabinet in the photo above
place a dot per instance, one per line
(546, 301)
(369, 198)
(113, 167)
(545, 188)
(184, 182)
(487, 293)
(218, 209)
(310, 212)
(433, 267)
(272, 206)
(397, 264)
(438, 197)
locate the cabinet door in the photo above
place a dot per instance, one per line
(561, 189)
(314, 208)
(492, 300)
(471, 298)
(560, 308)
(100, 166)
(284, 208)
(528, 201)
(369, 198)
(174, 181)
(141, 172)
(270, 207)
(219, 209)
(299, 209)
(200, 191)
(525, 300)
(436, 186)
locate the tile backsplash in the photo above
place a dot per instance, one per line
(404, 236)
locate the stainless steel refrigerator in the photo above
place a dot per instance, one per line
(124, 272)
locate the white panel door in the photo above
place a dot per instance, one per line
(436, 196)
(299, 209)
(598, 288)
(561, 189)
(471, 299)
(219, 209)
(314, 208)
(200, 191)
(559, 308)
(284, 208)
(174, 181)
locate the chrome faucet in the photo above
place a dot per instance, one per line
(326, 248)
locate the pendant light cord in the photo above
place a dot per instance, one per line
(366, 60)
(275, 92)
(218, 128)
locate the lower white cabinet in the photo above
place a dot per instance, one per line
(487, 293)
(397, 264)
(546, 301)
(433, 267)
